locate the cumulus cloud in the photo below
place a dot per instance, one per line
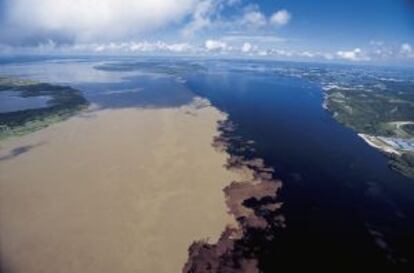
(92, 20)
(201, 17)
(246, 47)
(32, 22)
(214, 15)
(143, 47)
(298, 54)
(281, 53)
(215, 45)
(254, 18)
(133, 47)
(307, 54)
(272, 39)
(407, 50)
(353, 55)
(280, 18)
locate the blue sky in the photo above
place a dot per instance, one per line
(328, 30)
(350, 22)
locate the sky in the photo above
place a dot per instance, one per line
(367, 31)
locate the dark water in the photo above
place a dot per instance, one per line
(11, 101)
(344, 208)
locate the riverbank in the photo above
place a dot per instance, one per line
(379, 144)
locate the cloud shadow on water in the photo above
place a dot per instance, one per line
(19, 151)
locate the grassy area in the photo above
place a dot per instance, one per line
(64, 102)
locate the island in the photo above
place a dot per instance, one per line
(30, 105)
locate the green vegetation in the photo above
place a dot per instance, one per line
(386, 111)
(376, 102)
(64, 102)
(403, 164)
(373, 112)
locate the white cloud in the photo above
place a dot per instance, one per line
(307, 54)
(200, 17)
(280, 53)
(180, 47)
(297, 54)
(90, 20)
(407, 50)
(289, 54)
(158, 46)
(211, 15)
(280, 18)
(111, 47)
(31, 22)
(353, 55)
(215, 45)
(254, 18)
(256, 38)
(246, 47)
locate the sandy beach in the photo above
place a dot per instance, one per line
(125, 190)
(379, 144)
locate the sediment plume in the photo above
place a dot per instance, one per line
(253, 203)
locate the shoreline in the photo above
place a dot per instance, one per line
(229, 253)
(370, 140)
